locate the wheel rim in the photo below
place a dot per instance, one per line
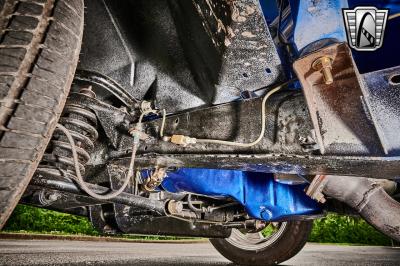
(257, 241)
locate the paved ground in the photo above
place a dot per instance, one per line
(55, 252)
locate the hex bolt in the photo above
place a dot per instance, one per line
(266, 214)
(324, 64)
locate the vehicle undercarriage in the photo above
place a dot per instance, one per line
(201, 118)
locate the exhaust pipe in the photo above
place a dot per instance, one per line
(366, 196)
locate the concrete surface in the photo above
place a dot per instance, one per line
(36, 236)
(55, 252)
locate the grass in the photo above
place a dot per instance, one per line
(31, 219)
(331, 229)
(345, 229)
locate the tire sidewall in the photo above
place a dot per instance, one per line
(291, 241)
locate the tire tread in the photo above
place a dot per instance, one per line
(288, 245)
(39, 49)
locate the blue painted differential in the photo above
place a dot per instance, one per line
(262, 197)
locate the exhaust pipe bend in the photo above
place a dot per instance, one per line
(366, 196)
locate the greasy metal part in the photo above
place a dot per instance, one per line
(368, 198)
(130, 219)
(342, 125)
(255, 226)
(163, 60)
(287, 125)
(184, 214)
(135, 220)
(208, 213)
(106, 83)
(155, 179)
(114, 121)
(175, 207)
(324, 64)
(184, 225)
(382, 98)
(376, 167)
(60, 200)
(285, 148)
(146, 106)
(124, 198)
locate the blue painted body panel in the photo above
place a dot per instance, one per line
(317, 20)
(262, 197)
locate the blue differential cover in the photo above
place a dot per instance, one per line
(262, 197)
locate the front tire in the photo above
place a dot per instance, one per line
(254, 249)
(40, 41)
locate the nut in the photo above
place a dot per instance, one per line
(182, 140)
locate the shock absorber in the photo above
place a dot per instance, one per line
(81, 123)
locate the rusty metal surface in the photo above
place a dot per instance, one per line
(288, 128)
(337, 110)
(367, 197)
(124, 198)
(382, 95)
(62, 200)
(376, 167)
(288, 146)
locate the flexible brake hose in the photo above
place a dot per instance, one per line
(79, 178)
(263, 125)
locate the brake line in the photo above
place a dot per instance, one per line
(183, 140)
(263, 126)
(79, 179)
(186, 140)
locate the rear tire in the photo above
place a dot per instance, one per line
(40, 42)
(286, 243)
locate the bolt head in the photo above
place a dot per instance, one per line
(322, 62)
